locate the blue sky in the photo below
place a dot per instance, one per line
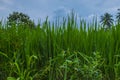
(39, 9)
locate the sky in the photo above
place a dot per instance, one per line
(40, 9)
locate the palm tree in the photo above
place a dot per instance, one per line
(118, 16)
(107, 20)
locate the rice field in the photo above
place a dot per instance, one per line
(54, 51)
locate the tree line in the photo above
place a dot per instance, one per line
(19, 18)
(107, 19)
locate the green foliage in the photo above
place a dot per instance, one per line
(11, 78)
(118, 16)
(77, 66)
(18, 18)
(107, 20)
(67, 51)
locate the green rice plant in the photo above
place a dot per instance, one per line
(60, 50)
(16, 67)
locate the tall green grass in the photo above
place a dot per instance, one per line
(54, 51)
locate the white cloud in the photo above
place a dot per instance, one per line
(92, 17)
(59, 13)
(54, 8)
(113, 10)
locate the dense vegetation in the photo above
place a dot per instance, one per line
(17, 18)
(67, 51)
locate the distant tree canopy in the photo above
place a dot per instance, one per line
(118, 16)
(20, 18)
(107, 20)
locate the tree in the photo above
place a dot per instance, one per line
(107, 20)
(20, 18)
(118, 16)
